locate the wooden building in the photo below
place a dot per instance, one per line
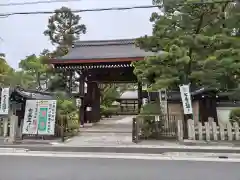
(128, 102)
(206, 102)
(18, 98)
(99, 62)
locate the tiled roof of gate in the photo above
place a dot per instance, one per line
(34, 95)
(105, 49)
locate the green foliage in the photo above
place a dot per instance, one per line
(108, 111)
(149, 127)
(5, 71)
(109, 94)
(73, 121)
(151, 108)
(58, 82)
(33, 66)
(235, 95)
(21, 79)
(194, 43)
(64, 28)
(235, 116)
(65, 106)
(66, 109)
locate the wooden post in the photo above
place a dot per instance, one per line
(135, 129)
(139, 96)
(70, 82)
(193, 130)
(62, 128)
(200, 131)
(1, 126)
(97, 102)
(222, 132)
(90, 110)
(207, 129)
(236, 129)
(229, 131)
(81, 95)
(180, 130)
(190, 126)
(214, 131)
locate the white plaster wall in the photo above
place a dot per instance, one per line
(223, 114)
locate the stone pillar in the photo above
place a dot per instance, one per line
(13, 128)
(5, 126)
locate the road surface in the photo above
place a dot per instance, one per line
(65, 168)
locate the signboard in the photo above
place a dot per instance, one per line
(30, 118)
(78, 102)
(186, 99)
(4, 106)
(144, 101)
(42, 121)
(163, 100)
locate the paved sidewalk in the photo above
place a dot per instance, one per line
(113, 135)
(111, 131)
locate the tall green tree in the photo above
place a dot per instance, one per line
(188, 38)
(63, 29)
(109, 93)
(21, 79)
(32, 65)
(5, 71)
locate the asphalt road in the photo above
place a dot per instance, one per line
(52, 168)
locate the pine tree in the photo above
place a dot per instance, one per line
(194, 43)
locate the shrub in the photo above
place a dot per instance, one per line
(108, 111)
(235, 116)
(149, 127)
(72, 122)
(67, 113)
(152, 108)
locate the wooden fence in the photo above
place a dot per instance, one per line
(209, 131)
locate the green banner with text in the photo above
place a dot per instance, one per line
(43, 118)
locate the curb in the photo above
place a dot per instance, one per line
(130, 150)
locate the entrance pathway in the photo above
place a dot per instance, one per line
(110, 131)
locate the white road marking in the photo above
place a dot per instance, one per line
(13, 150)
(118, 156)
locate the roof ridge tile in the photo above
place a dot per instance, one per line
(104, 42)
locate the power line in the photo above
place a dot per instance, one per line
(37, 2)
(4, 15)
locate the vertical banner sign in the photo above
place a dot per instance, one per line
(4, 107)
(30, 121)
(52, 116)
(186, 99)
(45, 116)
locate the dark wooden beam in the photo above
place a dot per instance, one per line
(88, 61)
(139, 96)
(82, 95)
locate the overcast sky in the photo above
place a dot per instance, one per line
(23, 35)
